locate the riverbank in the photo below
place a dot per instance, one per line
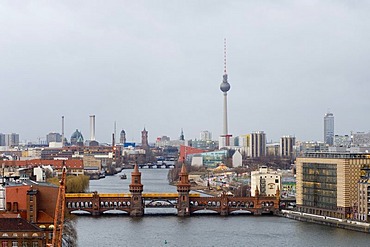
(328, 221)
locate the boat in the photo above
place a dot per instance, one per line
(123, 176)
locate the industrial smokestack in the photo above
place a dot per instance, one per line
(92, 128)
(62, 131)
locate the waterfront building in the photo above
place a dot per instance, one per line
(327, 183)
(209, 159)
(265, 181)
(74, 166)
(53, 137)
(363, 205)
(329, 129)
(35, 203)
(186, 150)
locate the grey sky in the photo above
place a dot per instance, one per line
(159, 64)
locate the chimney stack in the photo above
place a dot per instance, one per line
(92, 127)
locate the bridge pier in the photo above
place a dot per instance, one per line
(136, 189)
(95, 213)
(183, 188)
(224, 210)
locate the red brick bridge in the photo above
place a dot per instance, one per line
(186, 203)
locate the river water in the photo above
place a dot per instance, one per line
(200, 230)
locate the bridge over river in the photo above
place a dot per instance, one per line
(186, 203)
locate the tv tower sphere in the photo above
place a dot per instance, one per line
(225, 86)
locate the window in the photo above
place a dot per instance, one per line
(35, 244)
(15, 244)
(25, 244)
(4, 244)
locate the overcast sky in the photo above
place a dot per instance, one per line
(159, 64)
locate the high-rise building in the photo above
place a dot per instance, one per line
(2, 139)
(205, 135)
(11, 139)
(225, 87)
(329, 128)
(257, 144)
(287, 144)
(327, 183)
(53, 137)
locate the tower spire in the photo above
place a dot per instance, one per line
(225, 56)
(225, 87)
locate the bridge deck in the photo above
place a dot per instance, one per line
(128, 195)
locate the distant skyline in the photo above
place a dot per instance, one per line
(159, 65)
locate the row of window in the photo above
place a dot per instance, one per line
(20, 243)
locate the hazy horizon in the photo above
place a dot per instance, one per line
(159, 65)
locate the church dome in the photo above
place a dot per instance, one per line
(76, 137)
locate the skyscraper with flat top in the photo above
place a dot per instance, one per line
(329, 128)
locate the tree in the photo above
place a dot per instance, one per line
(75, 184)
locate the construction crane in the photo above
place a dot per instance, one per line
(59, 212)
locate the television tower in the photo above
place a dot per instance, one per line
(225, 87)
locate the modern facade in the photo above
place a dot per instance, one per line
(363, 206)
(209, 159)
(287, 144)
(327, 183)
(329, 128)
(266, 181)
(9, 139)
(257, 144)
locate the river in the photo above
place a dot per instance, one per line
(201, 230)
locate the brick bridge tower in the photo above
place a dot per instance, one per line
(183, 188)
(136, 189)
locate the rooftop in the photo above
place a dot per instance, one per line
(16, 224)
